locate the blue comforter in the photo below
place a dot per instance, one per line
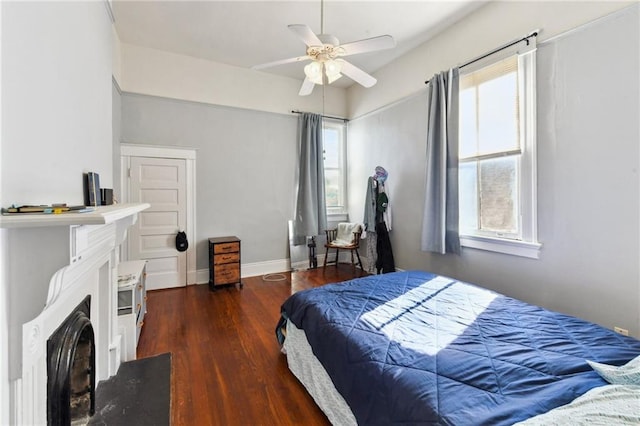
(416, 348)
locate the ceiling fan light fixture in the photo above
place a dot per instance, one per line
(333, 69)
(313, 71)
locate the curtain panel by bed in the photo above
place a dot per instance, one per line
(440, 215)
(311, 209)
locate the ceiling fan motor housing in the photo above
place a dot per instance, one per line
(329, 50)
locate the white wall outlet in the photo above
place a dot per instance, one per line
(621, 331)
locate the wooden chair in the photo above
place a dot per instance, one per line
(353, 246)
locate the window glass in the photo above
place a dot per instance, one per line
(468, 123)
(498, 115)
(332, 188)
(489, 151)
(331, 148)
(334, 166)
(498, 195)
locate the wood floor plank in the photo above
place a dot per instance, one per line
(227, 366)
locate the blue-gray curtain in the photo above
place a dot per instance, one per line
(440, 217)
(311, 206)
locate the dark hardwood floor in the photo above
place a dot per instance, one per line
(227, 368)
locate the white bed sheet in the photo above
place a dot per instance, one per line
(605, 405)
(310, 372)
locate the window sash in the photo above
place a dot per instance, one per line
(526, 244)
(491, 156)
(340, 207)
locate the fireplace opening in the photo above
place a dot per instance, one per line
(71, 369)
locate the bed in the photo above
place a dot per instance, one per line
(418, 348)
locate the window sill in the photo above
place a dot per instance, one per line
(337, 217)
(512, 247)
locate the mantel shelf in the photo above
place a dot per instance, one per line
(100, 216)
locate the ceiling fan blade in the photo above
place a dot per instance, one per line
(305, 34)
(368, 45)
(357, 75)
(306, 88)
(280, 62)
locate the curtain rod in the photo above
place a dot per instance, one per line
(323, 116)
(525, 38)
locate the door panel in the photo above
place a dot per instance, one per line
(161, 182)
(159, 196)
(150, 243)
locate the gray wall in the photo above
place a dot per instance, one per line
(588, 188)
(246, 160)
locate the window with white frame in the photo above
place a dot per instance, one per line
(335, 167)
(497, 167)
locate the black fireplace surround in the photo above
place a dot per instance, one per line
(71, 369)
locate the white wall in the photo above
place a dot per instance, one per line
(154, 72)
(490, 26)
(4, 282)
(57, 97)
(588, 161)
(55, 119)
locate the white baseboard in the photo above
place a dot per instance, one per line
(192, 277)
(202, 276)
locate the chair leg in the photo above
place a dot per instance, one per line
(351, 257)
(359, 261)
(326, 254)
(337, 256)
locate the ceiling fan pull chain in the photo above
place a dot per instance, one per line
(321, 16)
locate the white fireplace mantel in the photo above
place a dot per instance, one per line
(55, 261)
(100, 216)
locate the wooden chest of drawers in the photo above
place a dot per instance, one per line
(224, 261)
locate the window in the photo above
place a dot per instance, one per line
(497, 178)
(334, 167)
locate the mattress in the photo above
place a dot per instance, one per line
(418, 348)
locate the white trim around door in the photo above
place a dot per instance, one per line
(189, 155)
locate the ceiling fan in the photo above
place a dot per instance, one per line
(325, 52)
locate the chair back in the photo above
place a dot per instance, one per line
(336, 239)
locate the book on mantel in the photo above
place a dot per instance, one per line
(46, 209)
(92, 189)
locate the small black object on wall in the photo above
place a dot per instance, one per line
(181, 241)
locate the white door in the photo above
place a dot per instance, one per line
(161, 182)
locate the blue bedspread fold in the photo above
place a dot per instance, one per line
(417, 348)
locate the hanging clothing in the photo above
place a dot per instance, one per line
(371, 251)
(369, 220)
(385, 261)
(383, 198)
(377, 223)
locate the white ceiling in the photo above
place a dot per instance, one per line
(247, 33)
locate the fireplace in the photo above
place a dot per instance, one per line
(63, 322)
(71, 369)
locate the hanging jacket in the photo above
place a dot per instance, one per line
(383, 197)
(385, 262)
(369, 219)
